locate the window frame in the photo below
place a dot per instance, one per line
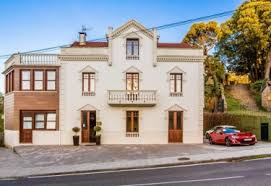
(90, 76)
(33, 114)
(132, 80)
(132, 56)
(175, 80)
(9, 82)
(133, 114)
(46, 79)
(30, 79)
(43, 79)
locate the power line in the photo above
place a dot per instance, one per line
(161, 27)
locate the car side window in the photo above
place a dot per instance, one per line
(218, 130)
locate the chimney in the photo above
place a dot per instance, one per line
(109, 32)
(82, 38)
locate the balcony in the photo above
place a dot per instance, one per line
(132, 98)
(39, 59)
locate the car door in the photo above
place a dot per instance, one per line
(219, 135)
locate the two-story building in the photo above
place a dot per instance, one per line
(142, 91)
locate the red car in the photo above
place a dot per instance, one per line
(231, 136)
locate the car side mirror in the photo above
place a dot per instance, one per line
(220, 133)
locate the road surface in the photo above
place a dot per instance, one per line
(247, 173)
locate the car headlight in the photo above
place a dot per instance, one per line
(235, 137)
(253, 136)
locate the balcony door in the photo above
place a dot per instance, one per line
(132, 86)
(88, 123)
(175, 126)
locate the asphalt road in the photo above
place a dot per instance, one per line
(247, 173)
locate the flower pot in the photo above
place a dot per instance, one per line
(98, 140)
(75, 140)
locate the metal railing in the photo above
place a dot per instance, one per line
(127, 97)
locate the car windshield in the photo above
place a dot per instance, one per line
(230, 130)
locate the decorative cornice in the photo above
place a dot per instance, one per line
(171, 58)
(83, 57)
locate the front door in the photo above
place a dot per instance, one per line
(88, 124)
(26, 125)
(264, 132)
(175, 127)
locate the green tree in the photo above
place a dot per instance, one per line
(245, 39)
(203, 35)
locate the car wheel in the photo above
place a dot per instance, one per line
(207, 136)
(228, 142)
(210, 141)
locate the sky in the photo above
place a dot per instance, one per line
(27, 25)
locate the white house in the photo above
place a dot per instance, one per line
(139, 90)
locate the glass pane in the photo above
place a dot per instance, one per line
(92, 85)
(135, 48)
(172, 86)
(39, 117)
(27, 118)
(178, 83)
(26, 85)
(179, 120)
(27, 125)
(135, 84)
(39, 124)
(38, 75)
(135, 122)
(129, 84)
(51, 117)
(84, 118)
(51, 75)
(170, 120)
(51, 125)
(128, 122)
(38, 85)
(85, 85)
(25, 75)
(51, 85)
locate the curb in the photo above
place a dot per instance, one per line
(200, 162)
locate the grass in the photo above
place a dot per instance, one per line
(251, 113)
(232, 103)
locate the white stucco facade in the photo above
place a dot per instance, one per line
(153, 75)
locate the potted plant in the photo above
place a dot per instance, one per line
(76, 137)
(97, 130)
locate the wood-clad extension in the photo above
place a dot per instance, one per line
(23, 100)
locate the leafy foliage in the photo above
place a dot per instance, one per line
(245, 38)
(203, 35)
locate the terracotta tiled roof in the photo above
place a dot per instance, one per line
(90, 44)
(174, 45)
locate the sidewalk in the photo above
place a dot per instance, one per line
(39, 160)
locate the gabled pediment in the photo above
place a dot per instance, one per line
(176, 108)
(132, 69)
(88, 107)
(88, 69)
(176, 69)
(132, 24)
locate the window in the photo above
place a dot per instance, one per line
(51, 121)
(132, 49)
(175, 120)
(51, 80)
(27, 121)
(38, 80)
(25, 80)
(88, 84)
(39, 121)
(42, 120)
(132, 81)
(132, 122)
(10, 82)
(176, 84)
